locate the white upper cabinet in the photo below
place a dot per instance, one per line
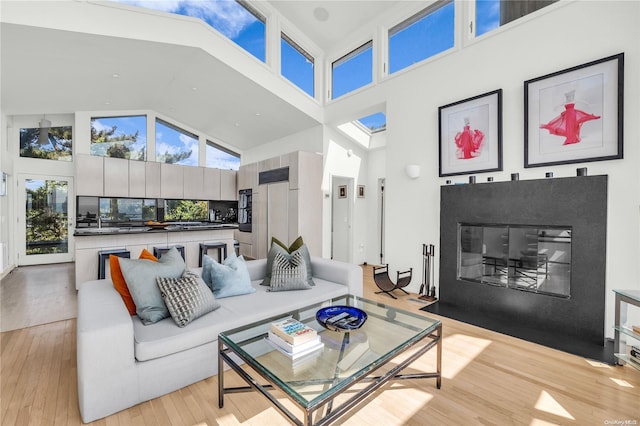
(171, 181)
(152, 179)
(228, 186)
(137, 179)
(116, 177)
(89, 175)
(193, 183)
(211, 185)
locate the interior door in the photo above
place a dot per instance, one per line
(45, 219)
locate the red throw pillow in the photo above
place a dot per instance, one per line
(120, 284)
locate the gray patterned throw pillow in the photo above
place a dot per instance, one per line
(187, 298)
(289, 272)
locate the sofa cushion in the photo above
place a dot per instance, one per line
(289, 272)
(187, 297)
(120, 284)
(231, 278)
(140, 276)
(164, 338)
(278, 247)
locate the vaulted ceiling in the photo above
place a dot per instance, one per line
(47, 71)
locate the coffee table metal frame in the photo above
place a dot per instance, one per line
(430, 337)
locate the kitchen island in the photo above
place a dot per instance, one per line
(89, 241)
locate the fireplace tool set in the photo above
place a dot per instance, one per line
(428, 288)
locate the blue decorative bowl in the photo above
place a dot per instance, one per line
(341, 318)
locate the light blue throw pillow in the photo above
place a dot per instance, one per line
(231, 278)
(140, 276)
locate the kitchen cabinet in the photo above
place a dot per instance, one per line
(228, 185)
(291, 208)
(87, 247)
(211, 185)
(89, 175)
(171, 181)
(116, 177)
(137, 179)
(248, 177)
(152, 179)
(193, 183)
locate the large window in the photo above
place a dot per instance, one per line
(296, 64)
(49, 143)
(221, 158)
(423, 35)
(491, 14)
(352, 71)
(236, 20)
(174, 145)
(120, 137)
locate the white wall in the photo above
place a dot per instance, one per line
(567, 35)
(308, 140)
(344, 158)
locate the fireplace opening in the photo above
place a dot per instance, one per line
(521, 257)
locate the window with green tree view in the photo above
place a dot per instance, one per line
(119, 137)
(175, 145)
(55, 143)
(184, 210)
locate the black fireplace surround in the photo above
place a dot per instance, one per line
(578, 203)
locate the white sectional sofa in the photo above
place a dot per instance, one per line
(122, 362)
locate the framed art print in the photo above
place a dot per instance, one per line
(470, 133)
(360, 191)
(342, 191)
(575, 115)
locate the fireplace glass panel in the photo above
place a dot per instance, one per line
(536, 259)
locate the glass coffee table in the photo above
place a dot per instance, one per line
(347, 365)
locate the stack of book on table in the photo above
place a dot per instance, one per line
(294, 339)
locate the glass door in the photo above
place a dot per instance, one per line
(45, 216)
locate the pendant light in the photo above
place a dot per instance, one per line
(45, 125)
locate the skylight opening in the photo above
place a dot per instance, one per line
(373, 123)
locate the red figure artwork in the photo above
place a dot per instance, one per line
(569, 122)
(468, 142)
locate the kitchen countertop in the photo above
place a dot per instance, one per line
(82, 232)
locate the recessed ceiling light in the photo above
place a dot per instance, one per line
(321, 14)
(237, 124)
(194, 88)
(115, 75)
(107, 103)
(258, 114)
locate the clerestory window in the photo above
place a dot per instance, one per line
(220, 157)
(175, 145)
(352, 71)
(422, 36)
(119, 137)
(492, 14)
(296, 64)
(236, 20)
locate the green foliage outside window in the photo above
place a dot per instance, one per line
(186, 210)
(47, 230)
(58, 144)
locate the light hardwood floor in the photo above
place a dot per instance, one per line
(488, 379)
